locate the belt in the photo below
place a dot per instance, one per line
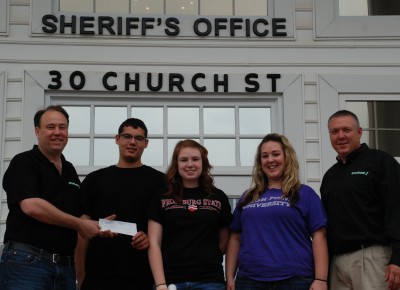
(55, 258)
(355, 248)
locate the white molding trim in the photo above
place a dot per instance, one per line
(331, 87)
(4, 12)
(2, 122)
(329, 25)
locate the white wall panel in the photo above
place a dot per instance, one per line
(2, 229)
(3, 163)
(2, 119)
(13, 129)
(14, 90)
(311, 112)
(19, 32)
(11, 148)
(303, 4)
(310, 93)
(13, 109)
(3, 17)
(19, 14)
(313, 170)
(304, 35)
(312, 130)
(312, 150)
(304, 18)
(3, 211)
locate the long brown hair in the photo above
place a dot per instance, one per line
(174, 180)
(291, 181)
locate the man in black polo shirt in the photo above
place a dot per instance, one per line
(361, 194)
(44, 207)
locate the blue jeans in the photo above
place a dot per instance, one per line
(199, 286)
(20, 270)
(296, 283)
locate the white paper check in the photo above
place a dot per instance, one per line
(118, 227)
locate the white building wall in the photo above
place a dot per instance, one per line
(306, 56)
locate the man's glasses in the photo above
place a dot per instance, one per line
(129, 137)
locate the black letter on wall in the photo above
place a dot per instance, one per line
(159, 85)
(51, 27)
(218, 83)
(105, 79)
(273, 78)
(64, 24)
(172, 22)
(254, 83)
(56, 80)
(72, 80)
(175, 83)
(194, 84)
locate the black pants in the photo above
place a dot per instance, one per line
(115, 283)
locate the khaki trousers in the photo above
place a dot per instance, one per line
(361, 270)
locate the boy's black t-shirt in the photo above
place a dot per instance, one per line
(127, 193)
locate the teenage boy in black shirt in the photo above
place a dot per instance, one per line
(123, 190)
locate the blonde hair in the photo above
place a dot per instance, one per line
(291, 181)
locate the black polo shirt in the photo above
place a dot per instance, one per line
(31, 175)
(362, 198)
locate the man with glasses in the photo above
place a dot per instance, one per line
(123, 191)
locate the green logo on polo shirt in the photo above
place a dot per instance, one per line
(74, 184)
(359, 173)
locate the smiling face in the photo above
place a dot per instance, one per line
(190, 166)
(273, 163)
(345, 135)
(52, 133)
(130, 149)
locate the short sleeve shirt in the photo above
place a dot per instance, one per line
(190, 242)
(276, 237)
(31, 175)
